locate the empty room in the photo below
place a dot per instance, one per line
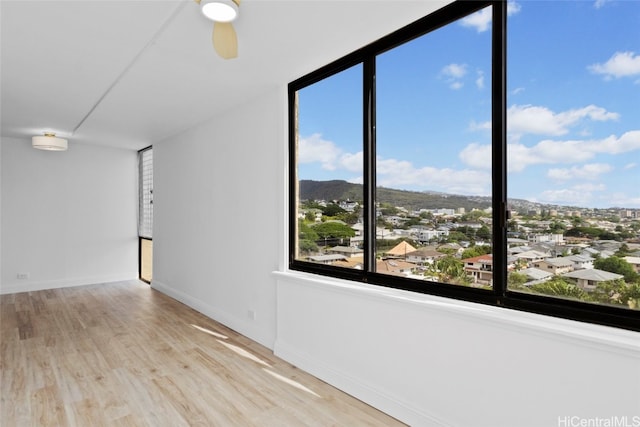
(319, 213)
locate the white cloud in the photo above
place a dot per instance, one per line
(630, 166)
(538, 120)
(621, 64)
(531, 119)
(629, 141)
(517, 90)
(566, 196)
(600, 3)
(590, 187)
(314, 149)
(453, 73)
(480, 80)
(512, 8)
(520, 156)
(393, 173)
(590, 171)
(403, 174)
(481, 20)
(621, 199)
(351, 162)
(477, 156)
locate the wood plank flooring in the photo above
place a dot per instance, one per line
(125, 355)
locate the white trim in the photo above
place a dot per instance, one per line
(246, 328)
(65, 283)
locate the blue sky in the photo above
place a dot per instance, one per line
(573, 108)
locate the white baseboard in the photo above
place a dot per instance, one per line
(355, 387)
(14, 288)
(244, 327)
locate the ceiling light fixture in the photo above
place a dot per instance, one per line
(219, 10)
(49, 141)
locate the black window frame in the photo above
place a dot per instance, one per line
(500, 295)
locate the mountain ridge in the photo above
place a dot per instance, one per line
(412, 200)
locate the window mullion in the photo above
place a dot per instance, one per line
(499, 138)
(369, 156)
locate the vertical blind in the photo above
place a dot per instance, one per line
(145, 188)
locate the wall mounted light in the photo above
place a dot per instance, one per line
(49, 141)
(219, 10)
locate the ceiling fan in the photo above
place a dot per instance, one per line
(222, 13)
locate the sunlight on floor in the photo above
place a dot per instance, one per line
(244, 353)
(210, 332)
(290, 382)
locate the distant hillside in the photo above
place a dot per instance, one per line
(412, 200)
(415, 200)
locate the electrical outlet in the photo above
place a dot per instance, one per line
(252, 314)
(23, 276)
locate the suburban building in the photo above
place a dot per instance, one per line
(480, 268)
(634, 261)
(588, 279)
(555, 265)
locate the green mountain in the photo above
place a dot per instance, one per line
(412, 200)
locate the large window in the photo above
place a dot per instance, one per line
(145, 214)
(402, 152)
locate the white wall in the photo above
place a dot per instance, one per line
(220, 215)
(68, 218)
(437, 362)
(217, 216)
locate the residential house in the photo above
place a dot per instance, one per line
(424, 256)
(326, 259)
(588, 279)
(346, 251)
(532, 256)
(634, 261)
(556, 266)
(480, 268)
(397, 267)
(581, 261)
(400, 250)
(535, 275)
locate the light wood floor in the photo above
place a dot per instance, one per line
(126, 355)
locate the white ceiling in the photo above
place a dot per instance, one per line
(128, 73)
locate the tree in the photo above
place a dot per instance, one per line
(623, 251)
(307, 246)
(614, 264)
(332, 210)
(475, 251)
(516, 281)
(456, 236)
(616, 292)
(333, 229)
(450, 270)
(305, 232)
(484, 233)
(557, 286)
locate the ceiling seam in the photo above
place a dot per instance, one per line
(135, 59)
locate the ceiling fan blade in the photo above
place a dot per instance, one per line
(225, 41)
